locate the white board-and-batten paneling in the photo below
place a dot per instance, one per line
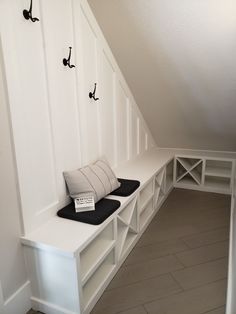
(29, 107)
(89, 119)
(62, 93)
(122, 106)
(106, 107)
(56, 126)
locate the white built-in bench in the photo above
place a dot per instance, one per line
(71, 263)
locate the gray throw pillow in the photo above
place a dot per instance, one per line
(96, 179)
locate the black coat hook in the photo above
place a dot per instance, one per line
(66, 62)
(92, 94)
(28, 14)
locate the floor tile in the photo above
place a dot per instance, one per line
(192, 226)
(195, 301)
(207, 238)
(120, 299)
(144, 270)
(136, 310)
(204, 254)
(166, 232)
(202, 274)
(153, 251)
(220, 310)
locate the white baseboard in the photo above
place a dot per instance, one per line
(19, 302)
(49, 308)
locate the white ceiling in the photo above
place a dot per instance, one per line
(179, 59)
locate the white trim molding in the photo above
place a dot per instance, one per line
(1, 300)
(19, 302)
(48, 308)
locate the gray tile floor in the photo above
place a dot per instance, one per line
(179, 266)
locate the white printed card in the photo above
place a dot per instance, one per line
(84, 203)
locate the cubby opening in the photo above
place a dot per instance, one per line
(189, 171)
(146, 194)
(218, 168)
(122, 230)
(159, 188)
(188, 163)
(96, 250)
(188, 180)
(96, 282)
(169, 176)
(127, 227)
(219, 184)
(145, 214)
(127, 212)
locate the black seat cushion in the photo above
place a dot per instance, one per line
(103, 209)
(126, 188)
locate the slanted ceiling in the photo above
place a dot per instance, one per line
(179, 59)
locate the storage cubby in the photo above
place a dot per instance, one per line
(218, 175)
(169, 176)
(146, 194)
(159, 188)
(219, 184)
(127, 212)
(93, 254)
(127, 227)
(218, 168)
(205, 174)
(189, 171)
(99, 278)
(145, 214)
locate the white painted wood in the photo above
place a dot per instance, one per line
(133, 133)
(61, 88)
(24, 63)
(90, 136)
(53, 278)
(106, 47)
(12, 266)
(19, 302)
(1, 300)
(142, 144)
(56, 234)
(89, 257)
(231, 288)
(122, 107)
(98, 250)
(106, 106)
(56, 127)
(200, 175)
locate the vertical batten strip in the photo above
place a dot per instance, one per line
(77, 62)
(128, 129)
(138, 135)
(115, 119)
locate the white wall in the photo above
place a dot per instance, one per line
(55, 125)
(179, 59)
(12, 267)
(49, 125)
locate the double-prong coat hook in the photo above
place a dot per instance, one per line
(92, 94)
(66, 62)
(28, 13)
